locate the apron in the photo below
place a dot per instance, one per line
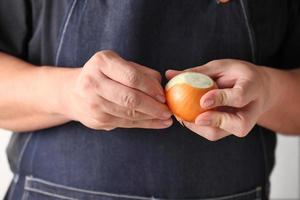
(74, 162)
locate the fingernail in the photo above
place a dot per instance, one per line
(160, 98)
(208, 102)
(166, 115)
(203, 122)
(167, 122)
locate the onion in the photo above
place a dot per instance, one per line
(183, 94)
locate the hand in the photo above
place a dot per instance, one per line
(110, 92)
(243, 95)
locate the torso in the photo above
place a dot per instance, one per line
(170, 163)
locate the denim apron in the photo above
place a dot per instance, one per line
(72, 161)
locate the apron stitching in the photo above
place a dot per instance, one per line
(249, 30)
(30, 178)
(48, 193)
(86, 191)
(23, 150)
(258, 189)
(16, 176)
(64, 31)
(254, 60)
(263, 143)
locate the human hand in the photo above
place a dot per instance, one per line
(110, 92)
(243, 95)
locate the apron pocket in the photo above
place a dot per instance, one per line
(38, 189)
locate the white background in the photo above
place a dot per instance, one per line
(285, 178)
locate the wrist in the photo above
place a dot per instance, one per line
(66, 102)
(57, 84)
(269, 88)
(274, 88)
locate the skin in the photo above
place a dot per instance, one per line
(106, 93)
(110, 92)
(247, 95)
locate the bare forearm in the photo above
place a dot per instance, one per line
(284, 115)
(31, 96)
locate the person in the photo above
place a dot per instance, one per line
(82, 87)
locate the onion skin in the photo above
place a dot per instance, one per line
(184, 101)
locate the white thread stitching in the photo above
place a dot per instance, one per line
(248, 30)
(48, 193)
(258, 189)
(64, 31)
(23, 150)
(86, 191)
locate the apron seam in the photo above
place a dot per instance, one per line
(16, 175)
(250, 32)
(65, 27)
(49, 193)
(32, 179)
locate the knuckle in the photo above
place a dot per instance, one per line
(222, 98)
(132, 77)
(131, 100)
(88, 82)
(219, 122)
(157, 75)
(97, 57)
(104, 56)
(222, 121)
(131, 113)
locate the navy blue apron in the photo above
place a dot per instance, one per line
(74, 162)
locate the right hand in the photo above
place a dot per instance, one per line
(110, 92)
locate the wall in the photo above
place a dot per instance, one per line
(285, 178)
(286, 175)
(5, 173)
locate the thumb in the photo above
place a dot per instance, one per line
(171, 73)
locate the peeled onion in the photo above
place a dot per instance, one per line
(183, 94)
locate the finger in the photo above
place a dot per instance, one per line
(171, 73)
(109, 122)
(226, 81)
(204, 69)
(240, 95)
(122, 71)
(210, 133)
(239, 123)
(215, 68)
(147, 124)
(121, 112)
(153, 73)
(132, 99)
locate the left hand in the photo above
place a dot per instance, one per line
(244, 94)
